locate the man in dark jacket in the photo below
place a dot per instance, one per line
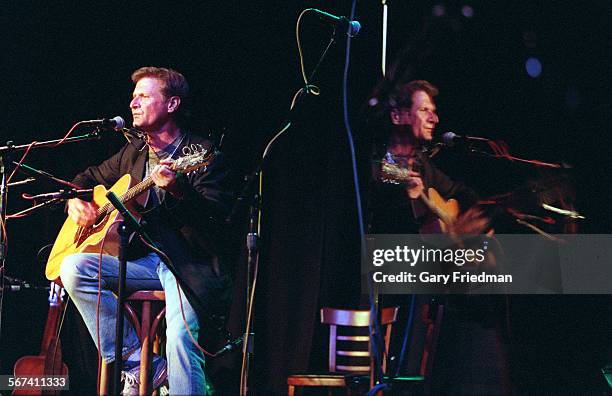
(396, 208)
(184, 216)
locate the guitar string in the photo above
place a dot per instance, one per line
(147, 182)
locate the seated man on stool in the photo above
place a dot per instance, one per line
(184, 216)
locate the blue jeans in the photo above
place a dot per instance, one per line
(79, 275)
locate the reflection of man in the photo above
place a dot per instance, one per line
(183, 214)
(470, 359)
(413, 117)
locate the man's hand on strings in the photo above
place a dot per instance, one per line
(414, 186)
(83, 213)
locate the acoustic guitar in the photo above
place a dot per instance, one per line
(444, 212)
(49, 361)
(75, 239)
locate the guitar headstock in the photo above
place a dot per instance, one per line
(196, 160)
(394, 169)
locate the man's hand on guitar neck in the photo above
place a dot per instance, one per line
(164, 177)
(414, 186)
(83, 213)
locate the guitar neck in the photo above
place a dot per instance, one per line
(188, 163)
(56, 308)
(128, 195)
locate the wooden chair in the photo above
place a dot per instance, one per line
(146, 330)
(348, 353)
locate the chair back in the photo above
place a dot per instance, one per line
(349, 341)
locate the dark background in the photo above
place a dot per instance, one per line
(69, 61)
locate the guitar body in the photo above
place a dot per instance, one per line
(38, 366)
(49, 361)
(441, 212)
(74, 239)
(445, 213)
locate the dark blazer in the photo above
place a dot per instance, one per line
(190, 230)
(447, 187)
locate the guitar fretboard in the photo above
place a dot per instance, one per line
(127, 196)
(183, 164)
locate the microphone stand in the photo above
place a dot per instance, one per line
(126, 227)
(542, 164)
(66, 194)
(385, 33)
(3, 238)
(254, 198)
(6, 170)
(37, 172)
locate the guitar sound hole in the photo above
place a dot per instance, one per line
(84, 233)
(99, 220)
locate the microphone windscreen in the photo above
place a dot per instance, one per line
(449, 138)
(354, 28)
(119, 123)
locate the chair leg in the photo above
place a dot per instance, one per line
(145, 354)
(291, 390)
(103, 391)
(156, 351)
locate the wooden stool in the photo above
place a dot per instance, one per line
(146, 332)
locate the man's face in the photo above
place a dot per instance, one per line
(150, 108)
(421, 117)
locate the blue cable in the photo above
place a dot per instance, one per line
(376, 341)
(376, 388)
(349, 132)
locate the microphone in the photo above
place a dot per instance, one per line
(350, 27)
(116, 123)
(21, 182)
(450, 139)
(62, 194)
(230, 346)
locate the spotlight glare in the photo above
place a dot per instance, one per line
(533, 67)
(467, 11)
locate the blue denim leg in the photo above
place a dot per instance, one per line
(185, 360)
(79, 275)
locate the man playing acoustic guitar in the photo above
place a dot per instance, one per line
(184, 214)
(413, 117)
(408, 197)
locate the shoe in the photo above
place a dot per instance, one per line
(131, 377)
